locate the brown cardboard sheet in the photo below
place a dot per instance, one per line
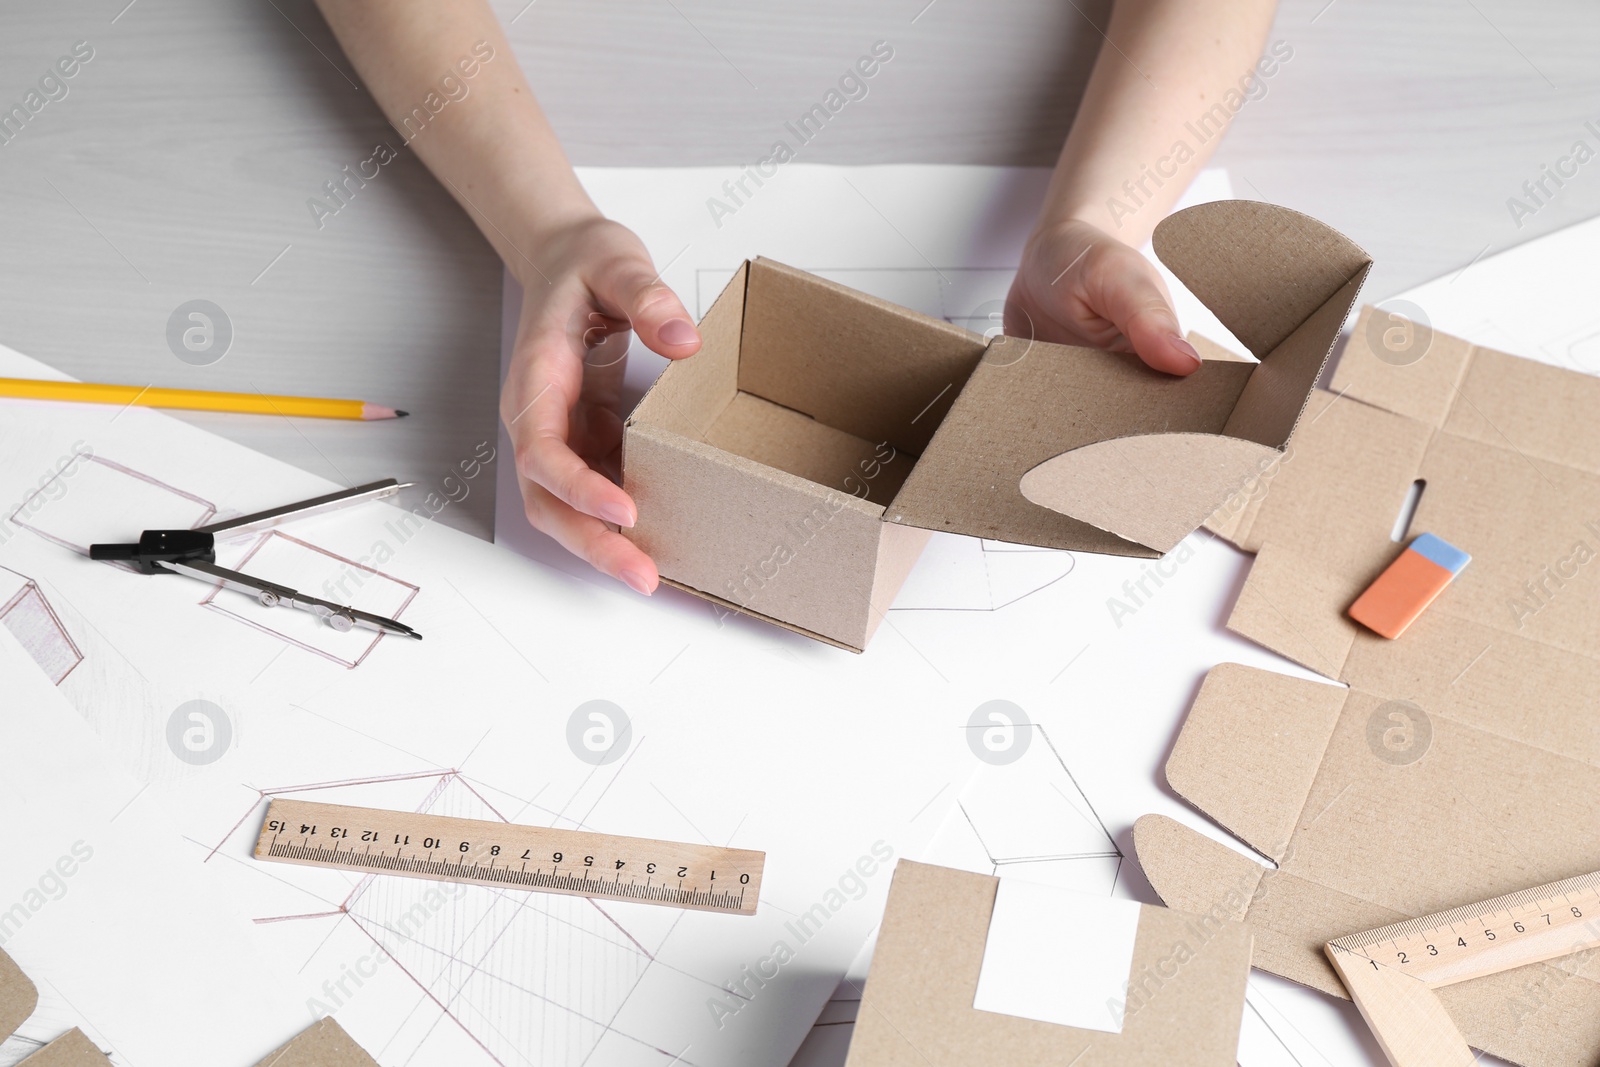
(917, 1009)
(18, 997)
(1055, 400)
(71, 1049)
(322, 1044)
(1463, 760)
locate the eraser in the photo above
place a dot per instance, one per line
(1408, 585)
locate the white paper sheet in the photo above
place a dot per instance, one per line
(737, 735)
(1057, 956)
(109, 912)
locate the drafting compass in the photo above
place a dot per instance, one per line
(194, 553)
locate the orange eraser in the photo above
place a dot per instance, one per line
(1408, 585)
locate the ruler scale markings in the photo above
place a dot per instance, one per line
(310, 833)
(1391, 971)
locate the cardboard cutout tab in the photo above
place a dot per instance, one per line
(1176, 480)
(322, 1044)
(18, 997)
(1251, 749)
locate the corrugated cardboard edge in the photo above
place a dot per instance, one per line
(18, 996)
(322, 1044)
(730, 606)
(71, 1049)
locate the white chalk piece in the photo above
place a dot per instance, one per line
(1057, 956)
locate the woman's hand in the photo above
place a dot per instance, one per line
(1078, 285)
(591, 287)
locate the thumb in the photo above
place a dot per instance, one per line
(633, 290)
(1137, 302)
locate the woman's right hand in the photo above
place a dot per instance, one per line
(593, 286)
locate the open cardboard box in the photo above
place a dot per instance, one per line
(1461, 761)
(792, 469)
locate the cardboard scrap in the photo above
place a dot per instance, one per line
(71, 1049)
(792, 468)
(322, 1044)
(1184, 1000)
(1463, 760)
(18, 996)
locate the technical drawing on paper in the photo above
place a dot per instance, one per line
(528, 978)
(277, 557)
(92, 499)
(1030, 819)
(26, 612)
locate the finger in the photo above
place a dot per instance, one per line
(1133, 298)
(539, 428)
(589, 539)
(633, 290)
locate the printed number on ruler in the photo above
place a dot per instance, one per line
(509, 855)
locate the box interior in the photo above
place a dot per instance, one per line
(819, 381)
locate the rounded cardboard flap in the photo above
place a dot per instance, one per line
(1152, 489)
(18, 997)
(1260, 268)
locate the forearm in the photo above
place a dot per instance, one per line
(481, 133)
(1154, 109)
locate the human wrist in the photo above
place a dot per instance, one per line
(542, 218)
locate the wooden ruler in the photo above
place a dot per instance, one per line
(1391, 972)
(508, 855)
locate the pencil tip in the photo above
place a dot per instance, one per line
(400, 414)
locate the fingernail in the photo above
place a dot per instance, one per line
(1187, 349)
(679, 332)
(616, 515)
(635, 582)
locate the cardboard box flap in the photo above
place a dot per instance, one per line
(1250, 749)
(1121, 449)
(18, 997)
(1028, 402)
(688, 400)
(1275, 398)
(1261, 269)
(1177, 481)
(854, 362)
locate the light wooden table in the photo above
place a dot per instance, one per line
(180, 163)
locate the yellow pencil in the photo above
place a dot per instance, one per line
(194, 400)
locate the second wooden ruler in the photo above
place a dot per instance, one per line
(1391, 972)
